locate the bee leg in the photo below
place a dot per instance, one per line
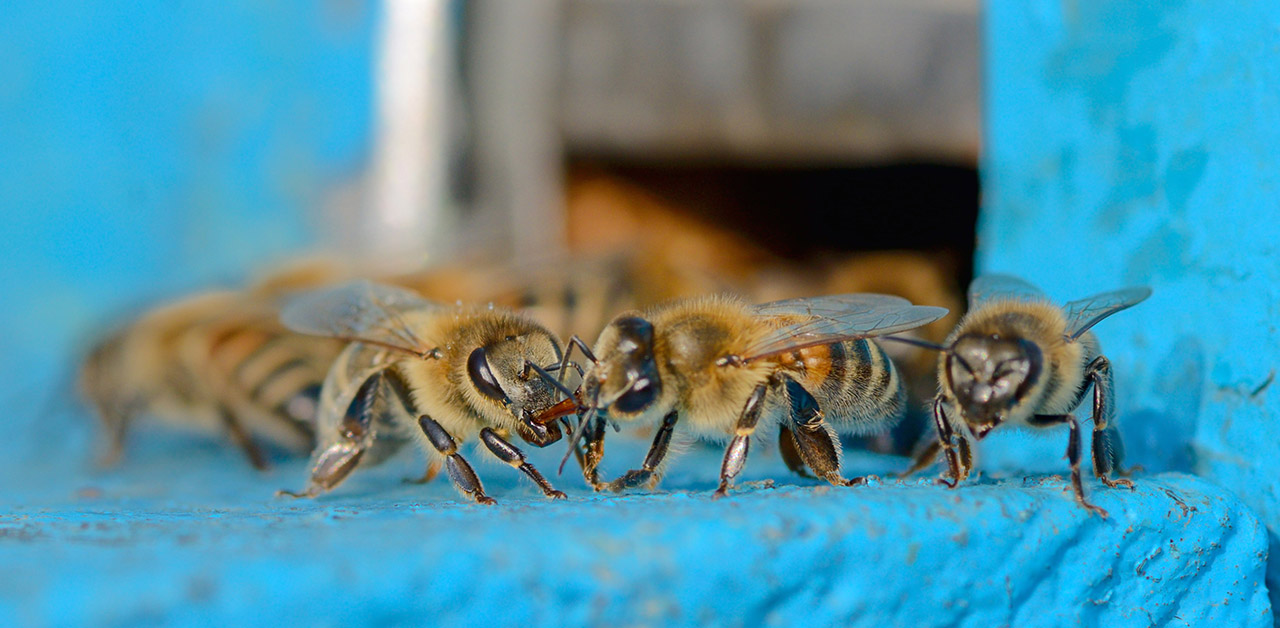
(657, 451)
(117, 427)
(460, 471)
(790, 453)
(817, 443)
(926, 457)
(1107, 447)
(512, 455)
(735, 455)
(590, 454)
(1073, 454)
(959, 457)
(433, 469)
(330, 469)
(244, 440)
(355, 434)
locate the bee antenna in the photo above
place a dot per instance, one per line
(916, 342)
(548, 378)
(575, 436)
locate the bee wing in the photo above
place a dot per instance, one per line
(358, 310)
(1002, 288)
(838, 318)
(1085, 313)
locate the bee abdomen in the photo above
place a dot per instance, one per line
(862, 386)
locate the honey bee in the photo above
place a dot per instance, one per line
(725, 369)
(214, 362)
(437, 374)
(1018, 359)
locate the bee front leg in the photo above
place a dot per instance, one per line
(926, 456)
(460, 471)
(657, 451)
(817, 443)
(1073, 454)
(735, 455)
(1107, 448)
(512, 455)
(590, 455)
(959, 456)
(335, 463)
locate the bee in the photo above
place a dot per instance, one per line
(214, 362)
(726, 369)
(1018, 359)
(577, 295)
(436, 374)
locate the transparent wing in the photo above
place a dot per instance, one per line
(831, 319)
(358, 310)
(1002, 288)
(1085, 313)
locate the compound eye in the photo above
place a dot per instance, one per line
(482, 377)
(638, 397)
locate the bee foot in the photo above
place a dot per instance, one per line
(1126, 483)
(1094, 509)
(557, 495)
(307, 494)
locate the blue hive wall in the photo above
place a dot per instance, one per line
(1134, 142)
(147, 149)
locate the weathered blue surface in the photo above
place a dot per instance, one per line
(149, 149)
(206, 544)
(1133, 142)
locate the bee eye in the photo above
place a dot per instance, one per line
(482, 377)
(638, 397)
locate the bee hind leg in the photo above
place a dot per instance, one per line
(1108, 450)
(330, 469)
(355, 434)
(512, 455)
(790, 452)
(816, 442)
(460, 471)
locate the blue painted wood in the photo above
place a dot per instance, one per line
(145, 149)
(1134, 142)
(205, 543)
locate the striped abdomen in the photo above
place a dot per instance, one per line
(856, 385)
(267, 377)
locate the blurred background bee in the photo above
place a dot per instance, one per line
(1018, 359)
(725, 369)
(447, 374)
(219, 362)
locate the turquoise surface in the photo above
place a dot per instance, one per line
(149, 149)
(1138, 143)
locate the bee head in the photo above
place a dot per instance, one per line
(990, 374)
(624, 382)
(501, 373)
